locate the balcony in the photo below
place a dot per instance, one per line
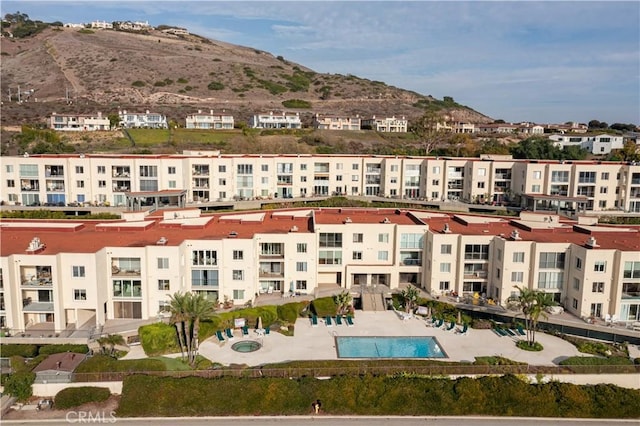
(117, 271)
(54, 171)
(30, 185)
(209, 284)
(29, 305)
(34, 282)
(411, 262)
(55, 186)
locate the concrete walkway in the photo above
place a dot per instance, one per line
(318, 343)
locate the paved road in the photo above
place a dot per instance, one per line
(329, 421)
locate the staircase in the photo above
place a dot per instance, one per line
(373, 302)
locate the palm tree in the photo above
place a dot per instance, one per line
(410, 296)
(179, 307)
(110, 341)
(200, 308)
(343, 301)
(533, 304)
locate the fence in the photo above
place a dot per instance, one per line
(430, 370)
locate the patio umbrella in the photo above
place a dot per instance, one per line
(459, 317)
(259, 323)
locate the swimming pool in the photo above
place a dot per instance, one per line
(388, 347)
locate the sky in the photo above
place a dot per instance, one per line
(538, 61)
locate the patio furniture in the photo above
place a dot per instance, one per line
(349, 321)
(327, 321)
(439, 323)
(267, 330)
(338, 320)
(219, 336)
(245, 330)
(463, 331)
(314, 321)
(229, 333)
(451, 326)
(520, 330)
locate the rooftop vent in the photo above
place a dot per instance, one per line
(446, 229)
(386, 220)
(35, 245)
(162, 241)
(294, 229)
(348, 220)
(233, 234)
(591, 243)
(515, 235)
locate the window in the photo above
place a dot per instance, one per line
(604, 176)
(411, 241)
(355, 167)
(127, 288)
(600, 266)
(163, 285)
(303, 167)
(301, 247)
(238, 294)
(301, 284)
(480, 185)
(80, 184)
(574, 303)
(517, 277)
(9, 168)
(482, 172)
(435, 182)
(498, 273)
(444, 285)
(264, 167)
(171, 170)
(357, 255)
(11, 183)
(604, 189)
(357, 238)
(264, 180)
(330, 239)
(222, 169)
(204, 257)
(383, 255)
(518, 257)
(476, 251)
(339, 178)
(77, 271)
(329, 257)
(222, 182)
(535, 188)
(102, 184)
(245, 169)
(537, 174)
(445, 267)
(303, 178)
(79, 170)
(551, 260)
(499, 254)
(383, 238)
(597, 287)
(172, 184)
(436, 170)
(354, 178)
(301, 266)
(163, 263)
(578, 263)
(576, 284)
(238, 274)
(102, 170)
(445, 249)
(79, 294)
(238, 255)
(550, 280)
(631, 270)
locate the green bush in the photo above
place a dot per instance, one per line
(19, 385)
(56, 349)
(138, 83)
(589, 360)
(73, 397)
(526, 346)
(296, 103)
(215, 85)
(324, 306)
(373, 395)
(158, 339)
(183, 80)
(496, 360)
(289, 312)
(9, 350)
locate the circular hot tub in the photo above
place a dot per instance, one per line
(246, 346)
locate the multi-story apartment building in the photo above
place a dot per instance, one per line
(216, 121)
(271, 120)
(334, 122)
(202, 177)
(147, 120)
(385, 124)
(79, 122)
(596, 144)
(69, 274)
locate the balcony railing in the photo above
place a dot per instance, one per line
(116, 270)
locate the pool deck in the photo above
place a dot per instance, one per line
(318, 343)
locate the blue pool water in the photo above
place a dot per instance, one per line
(389, 347)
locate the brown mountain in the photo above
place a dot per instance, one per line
(73, 70)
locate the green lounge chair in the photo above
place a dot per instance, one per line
(520, 330)
(463, 331)
(219, 336)
(314, 321)
(229, 333)
(245, 331)
(439, 323)
(451, 326)
(509, 332)
(328, 321)
(349, 322)
(499, 331)
(267, 330)
(338, 320)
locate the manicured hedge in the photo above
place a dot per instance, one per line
(369, 395)
(592, 360)
(158, 338)
(55, 349)
(290, 312)
(27, 351)
(324, 306)
(73, 397)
